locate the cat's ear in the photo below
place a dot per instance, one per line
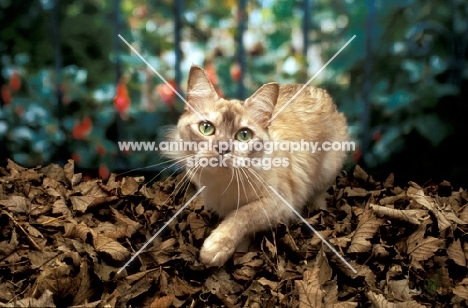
(262, 102)
(199, 89)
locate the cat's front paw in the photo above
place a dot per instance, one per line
(217, 249)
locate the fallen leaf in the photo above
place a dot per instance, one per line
(442, 217)
(309, 290)
(80, 203)
(163, 302)
(462, 289)
(129, 186)
(420, 248)
(455, 252)
(45, 300)
(17, 204)
(366, 229)
(381, 302)
(415, 217)
(60, 207)
(110, 247)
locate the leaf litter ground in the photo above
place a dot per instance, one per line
(63, 241)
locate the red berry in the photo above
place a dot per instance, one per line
(103, 171)
(235, 72)
(15, 81)
(6, 94)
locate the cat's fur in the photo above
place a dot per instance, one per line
(241, 195)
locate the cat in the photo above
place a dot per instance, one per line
(236, 188)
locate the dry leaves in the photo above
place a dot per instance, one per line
(63, 240)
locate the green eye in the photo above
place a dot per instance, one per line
(206, 128)
(244, 135)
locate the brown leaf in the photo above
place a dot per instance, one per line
(309, 290)
(110, 230)
(420, 248)
(76, 179)
(46, 300)
(55, 172)
(112, 248)
(462, 289)
(366, 229)
(399, 290)
(325, 272)
(146, 191)
(182, 287)
(53, 192)
(163, 302)
(54, 221)
(57, 278)
(105, 272)
(273, 285)
(40, 258)
(360, 174)
(91, 189)
(80, 203)
(455, 252)
(221, 282)
(83, 281)
(388, 183)
(330, 289)
(80, 231)
(463, 212)
(130, 292)
(7, 247)
(12, 166)
(443, 217)
(60, 207)
(129, 186)
(30, 175)
(345, 305)
(33, 231)
(415, 217)
(197, 225)
(69, 170)
(355, 192)
(130, 226)
(17, 204)
(244, 273)
(381, 302)
(91, 305)
(99, 201)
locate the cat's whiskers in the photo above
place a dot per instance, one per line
(176, 162)
(190, 173)
(258, 196)
(243, 186)
(264, 183)
(238, 189)
(154, 165)
(184, 179)
(230, 181)
(174, 192)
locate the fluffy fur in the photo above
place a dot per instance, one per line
(241, 195)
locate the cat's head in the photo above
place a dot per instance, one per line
(210, 119)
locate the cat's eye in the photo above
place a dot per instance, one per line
(206, 128)
(244, 135)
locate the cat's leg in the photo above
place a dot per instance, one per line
(240, 224)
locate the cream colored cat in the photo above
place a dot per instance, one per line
(240, 194)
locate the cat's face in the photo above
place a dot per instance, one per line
(232, 127)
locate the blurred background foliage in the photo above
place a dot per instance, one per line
(70, 88)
